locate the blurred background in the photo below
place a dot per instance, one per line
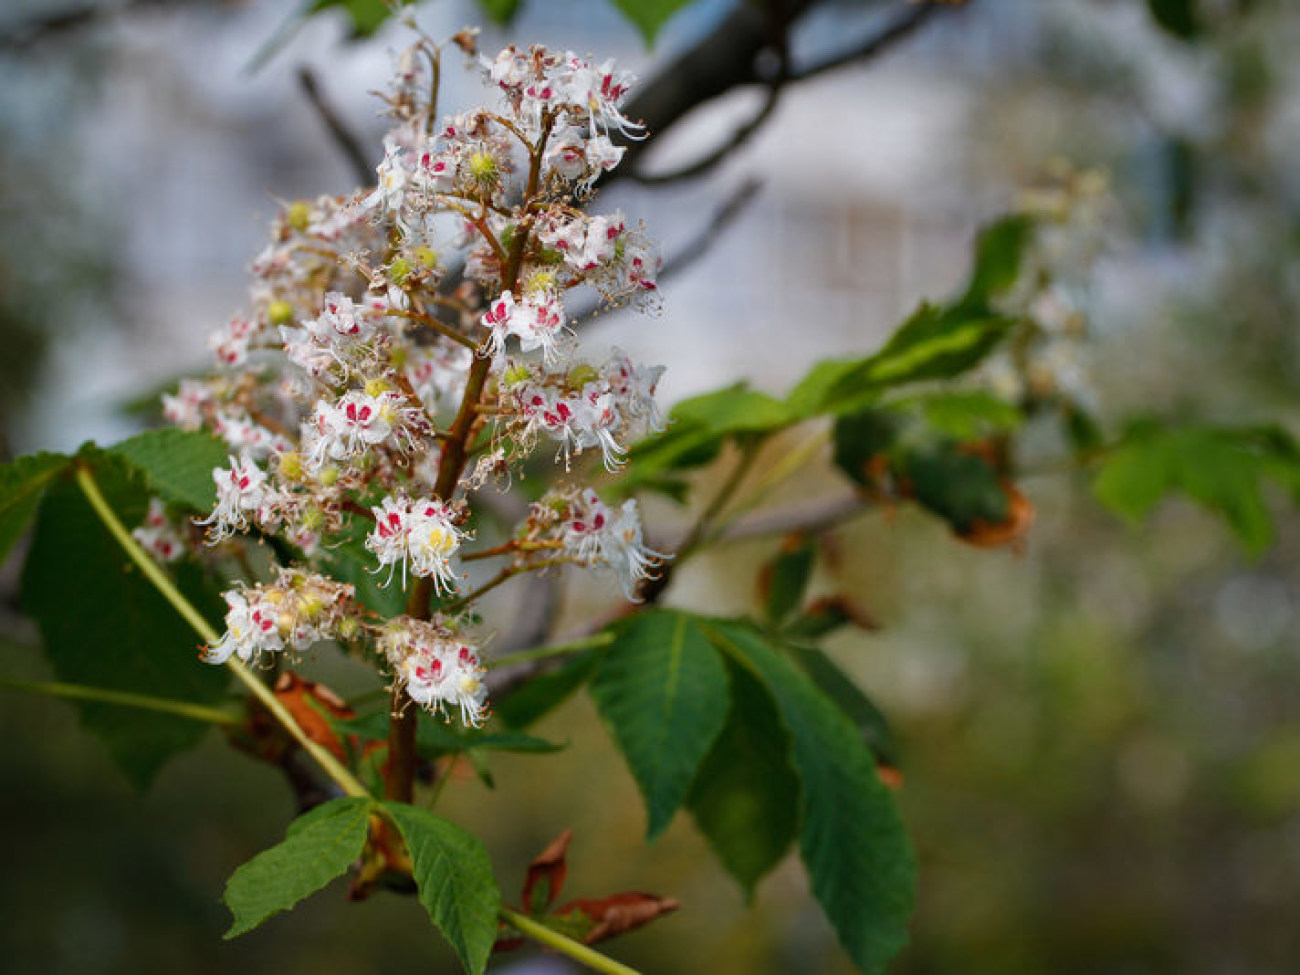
(1101, 744)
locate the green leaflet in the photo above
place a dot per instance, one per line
(662, 691)
(319, 846)
(1220, 468)
(177, 465)
(454, 875)
(649, 15)
(501, 11)
(102, 624)
(850, 836)
(21, 485)
(785, 579)
(745, 797)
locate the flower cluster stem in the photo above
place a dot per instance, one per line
(330, 765)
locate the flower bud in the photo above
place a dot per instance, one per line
(313, 519)
(540, 281)
(426, 255)
(290, 466)
(376, 386)
(516, 374)
(580, 376)
(298, 215)
(328, 475)
(310, 606)
(399, 269)
(279, 313)
(483, 168)
(348, 628)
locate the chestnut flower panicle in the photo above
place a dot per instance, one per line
(367, 385)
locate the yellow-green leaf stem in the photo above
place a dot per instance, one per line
(104, 695)
(553, 939)
(330, 765)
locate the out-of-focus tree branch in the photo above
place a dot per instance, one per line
(345, 139)
(24, 35)
(734, 55)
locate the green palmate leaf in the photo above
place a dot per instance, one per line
(543, 694)
(838, 686)
(177, 465)
(732, 410)
(968, 415)
(367, 16)
(318, 847)
(935, 343)
(649, 15)
(501, 11)
(810, 396)
(1179, 17)
(104, 625)
(959, 487)
(745, 796)
(859, 437)
(999, 252)
(662, 690)
(1221, 469)
(786, 578)
(21, 485)
(850, 836)
(454, 875)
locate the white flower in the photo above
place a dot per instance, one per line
(418, 533)
(439, 671)
(158, 536)
(443, 675)
(297, 610)
(394, 178)
(186, 408)
(537, 320)
(241, 489)
(605, 538)
(251, 629)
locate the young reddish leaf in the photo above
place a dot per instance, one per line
(312, 705)
(829, 613)
(1020, 516)
(546, 875)
(613, 915)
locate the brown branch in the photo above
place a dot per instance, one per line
(708, 162)
(898, 29)
(731, 57)
(344, 138)
(26, 35)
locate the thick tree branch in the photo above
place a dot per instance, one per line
(732, 56)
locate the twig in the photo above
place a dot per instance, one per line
(889, 35)
(708, 162)
(26, 35)
(344, 138)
